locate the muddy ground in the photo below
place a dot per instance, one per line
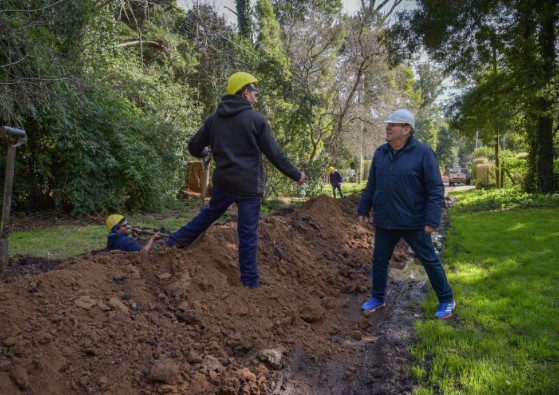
(177, 321)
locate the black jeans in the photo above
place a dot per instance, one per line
(422, 245)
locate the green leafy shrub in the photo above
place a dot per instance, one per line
(501, 199)
(485, 175)
(475, 163)
(484, 152)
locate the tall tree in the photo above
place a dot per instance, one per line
(244, 18)
(428, 120)
(217, 50)
(101, 83)
(509, 45)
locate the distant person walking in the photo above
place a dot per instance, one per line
(406, 193)
(118, 239)
(237, 136)
(336, 180)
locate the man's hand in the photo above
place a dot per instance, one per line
(363, 218)
(429, 229)
(156, 236)
(302, 179)
(135, 232)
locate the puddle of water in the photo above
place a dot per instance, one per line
(410, 270)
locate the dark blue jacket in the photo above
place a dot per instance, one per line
(118, 241)
(336, 178)
(238, 137)
(405, 188)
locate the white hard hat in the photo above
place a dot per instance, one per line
(402, 116)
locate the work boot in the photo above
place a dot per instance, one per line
(372, 305)
(444, 310)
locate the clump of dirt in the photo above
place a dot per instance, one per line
(178, 321)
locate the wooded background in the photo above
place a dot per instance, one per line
(110, 91)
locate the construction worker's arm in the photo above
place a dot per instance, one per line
(198, 143)
(149, 244)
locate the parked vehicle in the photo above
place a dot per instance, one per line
(459, 176)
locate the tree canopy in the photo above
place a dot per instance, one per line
(110, 91)
(504, 53)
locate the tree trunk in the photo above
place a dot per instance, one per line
(498, 182)
(546, 181)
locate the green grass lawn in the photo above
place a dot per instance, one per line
(66, 241)
(503, 267)
(348, 188)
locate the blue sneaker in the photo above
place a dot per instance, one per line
(445, 309)
(370, 306)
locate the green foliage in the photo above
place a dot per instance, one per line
(501, 199)
(485, 174)
(217, 49)
(288, 10)
(505, 55)
(244, 20)
(105, 138)
(484, 152)
(426, 132)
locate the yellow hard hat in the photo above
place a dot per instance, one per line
(331, 169)
(239, 80)
(113, 220)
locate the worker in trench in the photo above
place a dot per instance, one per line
(118, 238)
(237, 136)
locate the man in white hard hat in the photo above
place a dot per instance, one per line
(406, 192)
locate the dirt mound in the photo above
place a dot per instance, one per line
(178, 321)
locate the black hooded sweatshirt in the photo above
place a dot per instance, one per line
(238, 136)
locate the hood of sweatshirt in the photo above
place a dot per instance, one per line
(231, 105)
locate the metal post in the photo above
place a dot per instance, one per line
(8, 184)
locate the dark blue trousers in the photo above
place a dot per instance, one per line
(339, 188)
(247, 230)
(422, 245)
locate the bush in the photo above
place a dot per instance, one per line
(484, 152)
(516, 167)
(485, 175)
(501, 199)
(475, 164)
(349, 175)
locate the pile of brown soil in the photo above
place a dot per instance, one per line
(178, 321)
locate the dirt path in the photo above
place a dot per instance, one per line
(178, 321)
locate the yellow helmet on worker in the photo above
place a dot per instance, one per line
(330, 169)
(238, 81)
(113, 220)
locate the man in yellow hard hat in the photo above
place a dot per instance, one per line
(118, 239)
(237, 136)
(336, 181)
